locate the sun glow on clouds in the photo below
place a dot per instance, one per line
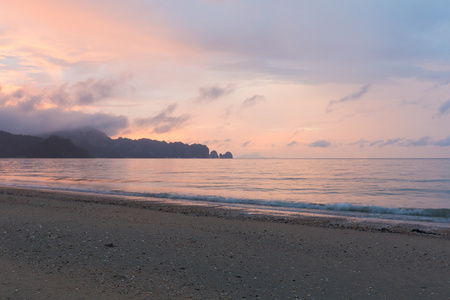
(260, 79)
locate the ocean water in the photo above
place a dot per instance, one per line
(394, 189)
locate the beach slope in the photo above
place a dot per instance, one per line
(56, 245)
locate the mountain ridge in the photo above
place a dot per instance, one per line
(91, 142)
(28, 146)
(98, 144)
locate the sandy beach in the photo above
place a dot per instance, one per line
(58, 245)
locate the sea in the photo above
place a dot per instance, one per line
(397, 190)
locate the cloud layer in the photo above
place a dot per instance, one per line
(402, 142)
(82, 93)
(36, 122)
(235, 71)
(30, 110)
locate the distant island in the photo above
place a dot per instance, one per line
(93, 143)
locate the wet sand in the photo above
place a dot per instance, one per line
(56, 245)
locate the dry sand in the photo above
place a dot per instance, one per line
(62, 245)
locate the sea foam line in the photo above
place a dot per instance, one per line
(420, 212)
(441, 213)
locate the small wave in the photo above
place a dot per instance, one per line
(443, 213)
(421, 212)
(370, 209)
(95, 180)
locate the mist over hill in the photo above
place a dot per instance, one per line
(12, 145)
(55, 147)
(98, 144)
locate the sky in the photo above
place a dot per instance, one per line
(288, 79)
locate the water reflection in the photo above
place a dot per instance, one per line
(423, 183)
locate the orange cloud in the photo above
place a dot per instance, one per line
(49, 39)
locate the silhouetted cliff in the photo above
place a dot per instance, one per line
(213, 154)
(99, 144)
(226, 155)
(55, 147)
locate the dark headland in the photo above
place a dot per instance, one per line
(91, 142)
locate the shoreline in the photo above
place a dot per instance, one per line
(80, 246)
(242, 212)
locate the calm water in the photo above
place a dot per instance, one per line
(413, 188)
